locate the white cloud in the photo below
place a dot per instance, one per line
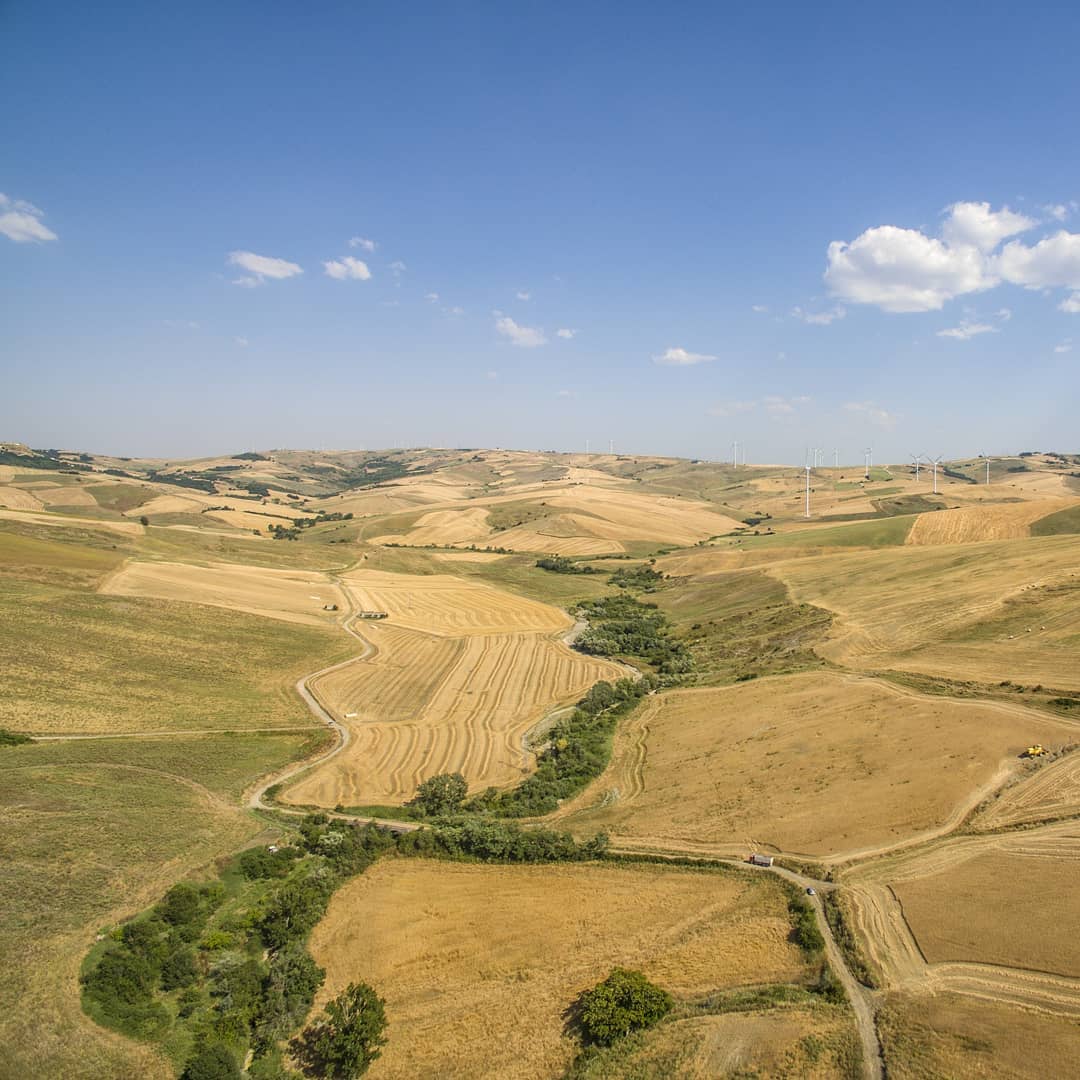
(972, 224)
(1053, 261)
(1004, 314)
(492, 374)
(877, 416)
(347, 268)
(242, 341)
(761, 309)
(527, 337)
(21, 221)
(1071, 304)
(364, 244)
(1060, 211)
(523, 295)
(566, 333)
(967, 330)
(431, 297)
(818, 318)
(454, 310)
(1064, 347)
(260, 267)
(676, 357)
(397, 268)
(566, 394)
(903, 270)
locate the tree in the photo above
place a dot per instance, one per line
(625, 1001)
(442, 794)
(345, 1042)
(144, 520)
(211, 1061)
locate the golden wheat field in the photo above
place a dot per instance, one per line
(1051, 790)
(292, 595)
(478, 964)
(819, 764)
(972, 524)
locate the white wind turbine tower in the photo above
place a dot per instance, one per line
(836, 458)
(807, 490)
(735, 453)
(935, 462)
(916, 461)
(868, 455)
(987, 459)
(611, 446)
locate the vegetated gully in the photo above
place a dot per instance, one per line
(862, 1003)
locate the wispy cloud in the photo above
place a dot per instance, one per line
(261, 267)
(732, 408)
(431, 297)
(522, 294)
(397, 268)
(1059, 211)
(760, 309)
(1064, 347)
(566, 393)
(363, 243)
(347, 268)
(527, 337)
(242, 341)
(818, 318)
(492, 374)
(21, 221)
(775, 406)
(674, 356)
(1071, 304)
(872, 412)
(967, 330)
(565, 333)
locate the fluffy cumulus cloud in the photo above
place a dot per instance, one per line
(527, 337)
(967, 330)
(1053, 261)
(673, 356)
(21, 221)
(971, 224)
(347, 269)
(364, 244)
(906, 270)
(873, 413)
(261, 267)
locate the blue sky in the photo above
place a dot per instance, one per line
(801, 224)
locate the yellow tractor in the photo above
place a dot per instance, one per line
(1038, 750)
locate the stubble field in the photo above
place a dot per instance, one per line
(479, 964)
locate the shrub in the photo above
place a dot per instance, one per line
(440, 795)
(13, 738)
(624, 1002)
(211, 1061)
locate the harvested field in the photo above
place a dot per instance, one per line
(1007, 905)
(445, 527)
(469, 556)
(13, 498)
(479, 963)
(1052, 791)
(168, 504)
(967, 1038)
(818, 764)
(812, 1043)
(291, 595)
(972, 524)
(563, 534)
(126, 528)
(427, 704)
(443, 604)
(67, 495)
(987, 612)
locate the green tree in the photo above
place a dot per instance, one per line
(442, 794)
(211, 1061)
(625, 1001)
(346, 1040)
(144, 520)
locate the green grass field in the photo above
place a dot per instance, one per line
(886, 532)
(92, 832)
(1063, 523)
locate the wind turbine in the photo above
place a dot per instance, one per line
(868, 454)
(916, 460)
(935, 462)
(807, 490)
(836, 458)
(611, 446)
(987, 458)
(735, 453)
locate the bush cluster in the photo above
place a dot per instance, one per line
(624, 626)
